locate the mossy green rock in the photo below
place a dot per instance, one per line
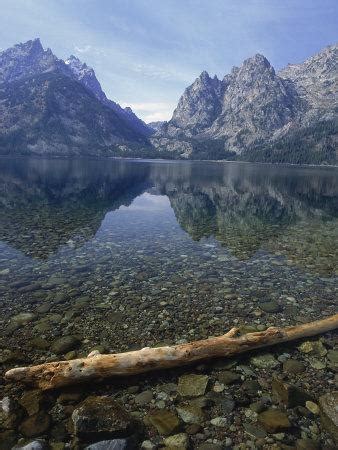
(266, 361)
(177, 441)
(166, 422)
(192, 385)
(190, 413)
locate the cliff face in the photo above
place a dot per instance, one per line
(255, 106)
(52, 114)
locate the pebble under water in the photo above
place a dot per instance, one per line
(116, 255)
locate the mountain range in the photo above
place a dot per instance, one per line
(256, 113)
(55, 107)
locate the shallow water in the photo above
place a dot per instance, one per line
(132, 253)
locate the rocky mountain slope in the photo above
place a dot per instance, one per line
(86, 76)
(254, 108)
(51, 106)
(48, 106)
(156, 126)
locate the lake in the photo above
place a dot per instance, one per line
(133, 253)
(119, 254)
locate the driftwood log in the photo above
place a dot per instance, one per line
(62, 373)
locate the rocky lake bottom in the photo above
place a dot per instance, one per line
(124, 255)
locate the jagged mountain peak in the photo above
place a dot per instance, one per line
(204, 76)
(316, 80)
(31, 46)
(257, 64)
(27, 59)
(324, 61)
(75, 62)
(257, 60)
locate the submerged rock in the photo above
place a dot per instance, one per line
(33, 401)
(114, 444)
(190, 414)
(229, 377)
(165, 422)
(274, 420)
(65, 344)
(289, 394)
(178, 441)
(9, 414)
(143, 398)
(192, 385)
(265, 361)
(7, 439)
(35, 425)
(23, 318)
(313, 348)
(270, 307)
(293, 367)
(328, 404)
(34, 445)
(101, 417)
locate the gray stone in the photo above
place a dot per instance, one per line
(64, 344)
(254, 430)
(34, 445)
(114, 444)
(143, 398)
(9, 416)
(270, 307)
(328, 404)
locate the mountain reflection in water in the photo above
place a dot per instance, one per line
(47, 204)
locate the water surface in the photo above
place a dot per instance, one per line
(133, 253)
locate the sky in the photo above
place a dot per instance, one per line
(146, 52)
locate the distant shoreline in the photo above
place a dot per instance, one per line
(136, 159)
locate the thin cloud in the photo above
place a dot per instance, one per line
(157, 116)
(85, 49)
(152, 111)
(148, 106)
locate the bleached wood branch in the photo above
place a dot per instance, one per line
(62, 373)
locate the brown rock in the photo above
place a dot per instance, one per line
(33, 401)
(165, 422)
(274, 420)
(98, 417)
(35, 425)
(289, 395)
